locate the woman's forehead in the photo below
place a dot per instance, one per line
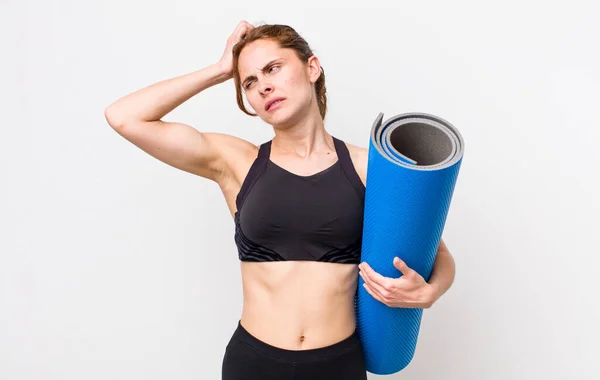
(257, 54)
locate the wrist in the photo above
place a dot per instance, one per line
(221, 73)
(433, 293)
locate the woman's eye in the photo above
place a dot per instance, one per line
(270, 69)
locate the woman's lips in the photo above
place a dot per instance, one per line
(275, 105)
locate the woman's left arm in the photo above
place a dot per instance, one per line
(411, 290)
(442, 274)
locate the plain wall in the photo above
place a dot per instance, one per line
(114, 265)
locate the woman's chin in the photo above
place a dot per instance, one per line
(278, 119)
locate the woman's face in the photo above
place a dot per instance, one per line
(268, 72)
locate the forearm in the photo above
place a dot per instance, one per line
(442, 274)
(155, 101)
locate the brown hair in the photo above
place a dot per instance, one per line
(287, 38)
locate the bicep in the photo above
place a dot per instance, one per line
(178, 145)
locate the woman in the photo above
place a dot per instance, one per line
(297, 203)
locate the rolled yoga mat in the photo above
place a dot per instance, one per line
(413, 164)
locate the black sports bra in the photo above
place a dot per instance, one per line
(283, 216)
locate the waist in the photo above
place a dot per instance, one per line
(299, 305)
(349, 342)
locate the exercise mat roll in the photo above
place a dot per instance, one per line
(413, 165)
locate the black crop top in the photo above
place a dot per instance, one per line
(282, 216)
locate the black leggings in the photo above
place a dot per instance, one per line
(248, 358)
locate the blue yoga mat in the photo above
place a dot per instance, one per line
(413, 164)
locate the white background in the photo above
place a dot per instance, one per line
(114, 265)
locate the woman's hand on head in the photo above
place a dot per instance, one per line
(226, 61)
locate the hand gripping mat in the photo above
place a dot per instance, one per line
(413, 164)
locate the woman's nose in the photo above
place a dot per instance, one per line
(266, 89)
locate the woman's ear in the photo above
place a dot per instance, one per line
(314, 69)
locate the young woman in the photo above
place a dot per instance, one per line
(297, 203)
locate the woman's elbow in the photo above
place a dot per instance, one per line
(113, 117)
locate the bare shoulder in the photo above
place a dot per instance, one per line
(360, 158)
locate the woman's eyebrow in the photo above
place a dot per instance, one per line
(263, 69)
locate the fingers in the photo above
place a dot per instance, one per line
(401, 266)
(410, 290)
(374, 295)
(376, 292)
(379, 284)
(237, 32)
(406, 271)
(375, 277)
(241, 30)
(242, 25)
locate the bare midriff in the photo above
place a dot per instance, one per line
(299, 305)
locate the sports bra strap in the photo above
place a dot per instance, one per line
(348, 167)
(265, 150)
(257, 168)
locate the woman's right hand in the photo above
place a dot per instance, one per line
(226, 61)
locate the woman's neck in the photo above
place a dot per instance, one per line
(303, 138)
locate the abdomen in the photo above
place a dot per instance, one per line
(299, 304)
